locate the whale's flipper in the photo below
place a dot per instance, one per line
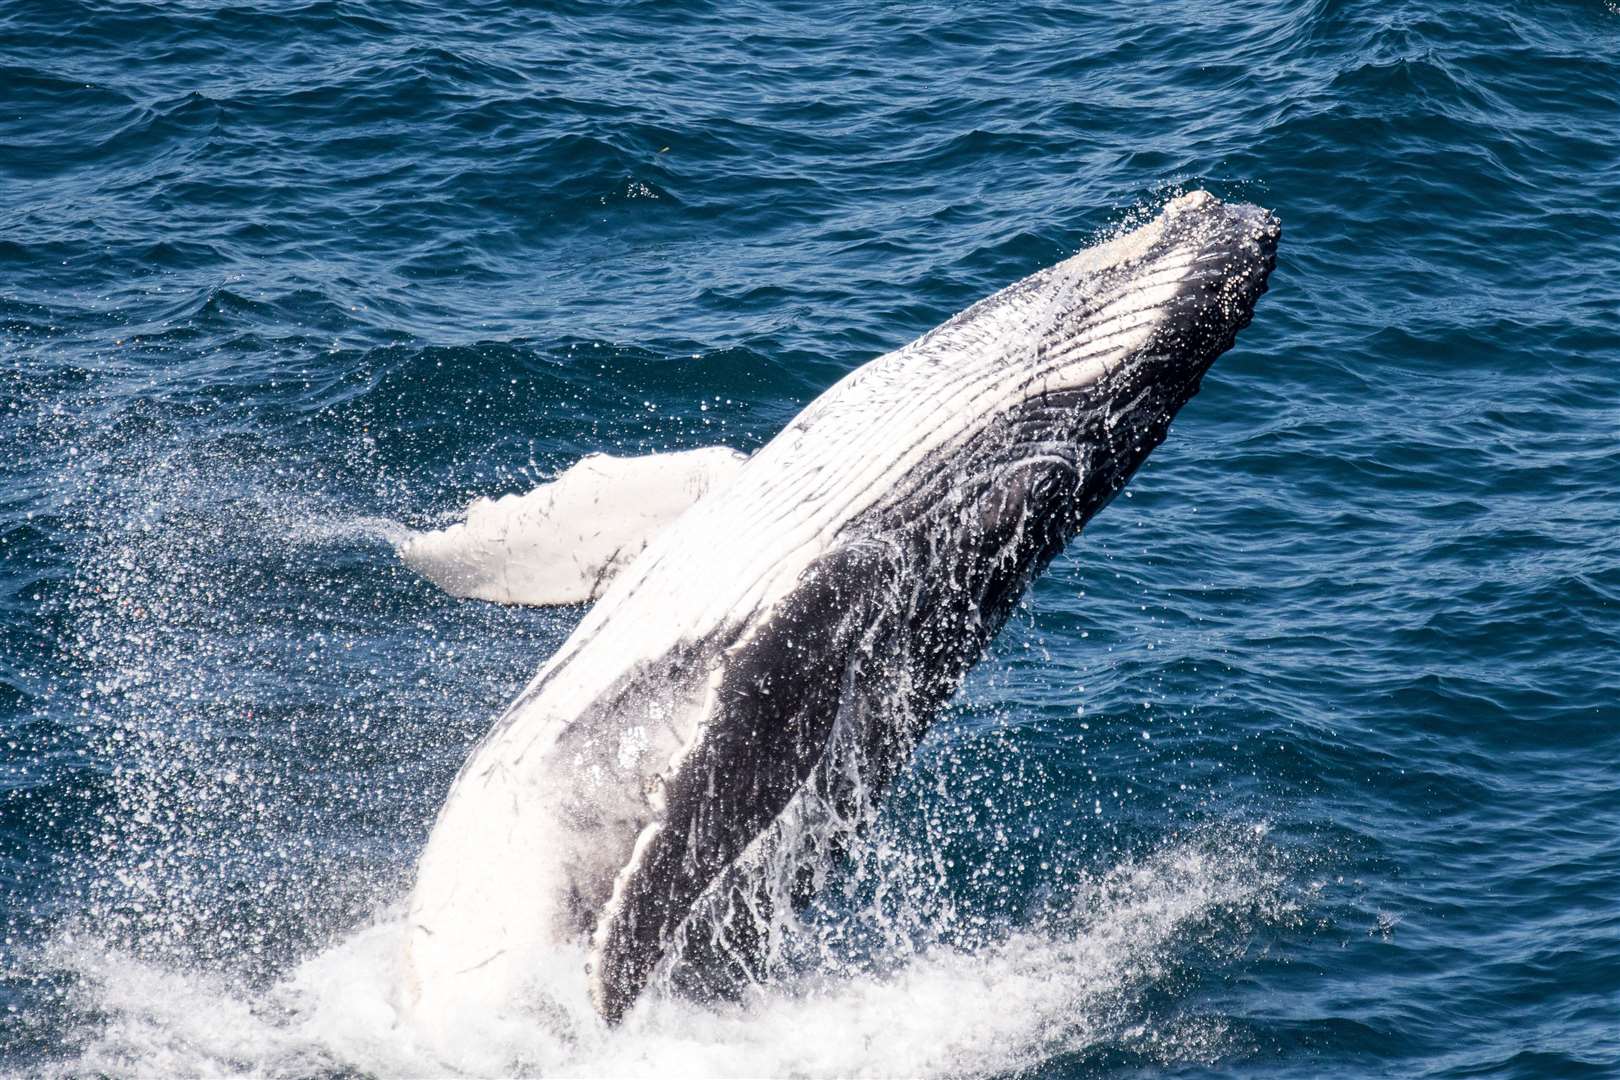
(562, 542)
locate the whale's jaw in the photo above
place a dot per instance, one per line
(834, 591)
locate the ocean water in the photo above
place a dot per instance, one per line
(1303, 762)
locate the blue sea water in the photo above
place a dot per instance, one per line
(1303, 762)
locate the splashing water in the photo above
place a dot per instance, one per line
(233, 853)
(1077, 983)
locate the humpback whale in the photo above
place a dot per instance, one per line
(755, 618)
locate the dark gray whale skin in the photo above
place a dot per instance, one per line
(914, 593)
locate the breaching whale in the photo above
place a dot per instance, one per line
(756, 617)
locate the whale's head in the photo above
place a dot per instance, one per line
(1123, 333)
(1032, 408)
(1152, 306)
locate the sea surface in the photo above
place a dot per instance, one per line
(1304, 761)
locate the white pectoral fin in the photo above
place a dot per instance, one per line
(562, 542)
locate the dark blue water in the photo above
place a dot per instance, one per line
(1304, 762)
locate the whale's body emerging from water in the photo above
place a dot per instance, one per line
(822, 598)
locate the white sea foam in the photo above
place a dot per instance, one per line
(1074, 984)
